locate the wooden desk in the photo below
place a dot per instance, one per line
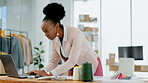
(138, 68)
(5, 79)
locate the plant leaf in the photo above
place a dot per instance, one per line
(40, 60)
(39, 57)
(41, 43)
(41, 66)
(36, 63)
(35, 58)
(42, 51)
(36, 48)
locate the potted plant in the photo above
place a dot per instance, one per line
(38, 58)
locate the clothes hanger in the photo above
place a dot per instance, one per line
(21, 35)
(13, 34)
(2, 34)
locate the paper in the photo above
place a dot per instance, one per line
(58, 78)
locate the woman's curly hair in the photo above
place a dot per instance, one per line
(54, 12)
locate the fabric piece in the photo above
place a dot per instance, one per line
(99, 71)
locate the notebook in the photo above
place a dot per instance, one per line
(10, 68)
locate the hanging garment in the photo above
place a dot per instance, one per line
(16, 51)
(27, 51)
(4, 45)
(30, 51)
(0, 43)
(23, 48)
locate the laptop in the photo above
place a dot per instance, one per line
(10, 67)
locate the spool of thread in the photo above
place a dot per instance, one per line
(76, 73)
(80, 70)
(87, 75)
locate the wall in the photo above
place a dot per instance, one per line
(38, 34)
(20, 17)
(116, 27)
(26, 15)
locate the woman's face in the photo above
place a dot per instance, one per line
(49, 29)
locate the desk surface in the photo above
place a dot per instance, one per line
(5, 79)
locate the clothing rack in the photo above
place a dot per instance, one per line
(10, 31)
(15, 31)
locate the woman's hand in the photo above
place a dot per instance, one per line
(38, 72)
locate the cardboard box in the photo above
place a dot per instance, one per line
(94, 37)
(94, 29)
(111, 56)
(84, 17)
(110, 61)
(87, 18)
(87, 29)
(96, 51)
(107, 62)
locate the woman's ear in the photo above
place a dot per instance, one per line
(57, 26)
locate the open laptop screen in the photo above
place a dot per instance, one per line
(135, 52)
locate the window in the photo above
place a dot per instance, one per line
(3, 14)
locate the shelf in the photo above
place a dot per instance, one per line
(89, 27)
(88, 32)
(93, 41)
(87, 21)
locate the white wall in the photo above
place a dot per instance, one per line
(116, 27)
(38, 34)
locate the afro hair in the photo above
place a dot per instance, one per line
(54, 11)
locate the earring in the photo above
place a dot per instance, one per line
(57, 34)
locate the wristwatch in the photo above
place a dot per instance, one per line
(48, 73)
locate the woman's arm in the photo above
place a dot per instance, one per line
(54, 59)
